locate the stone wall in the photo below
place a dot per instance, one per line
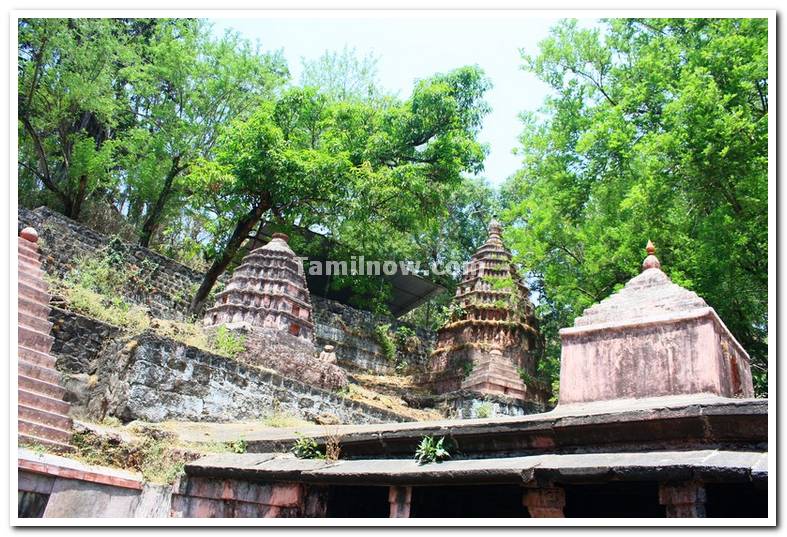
(159, 283)
(154, 379)
(352, 333)
(166, 287)
(78, 340)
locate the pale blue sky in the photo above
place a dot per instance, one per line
(411, 48)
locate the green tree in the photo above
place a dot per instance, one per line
(67, 103)
(342, 75)
(657, 129)
(364, 171)
(188, 85)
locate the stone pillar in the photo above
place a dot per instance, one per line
(400, 498)
(547, 502)
(683, 500)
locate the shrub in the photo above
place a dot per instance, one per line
(484, 410)
(306, 448)
(238, 446)
(383, 337)
(431, 450)
(228, 343)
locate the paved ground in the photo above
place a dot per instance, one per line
(257, 431)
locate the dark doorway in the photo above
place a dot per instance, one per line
(357, 502)
(614, 500)
(736, 500)
(31, 504)
(492, 501)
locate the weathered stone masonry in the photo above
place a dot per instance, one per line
(170, 286)
(151, 378)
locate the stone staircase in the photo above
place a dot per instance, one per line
(42, 412)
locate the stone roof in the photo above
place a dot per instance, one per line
(649, 294)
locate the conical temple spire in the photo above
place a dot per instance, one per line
(651, 261)
(494, 228)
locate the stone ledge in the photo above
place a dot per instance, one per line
(708, 465)
(687, 422)
(54, 465)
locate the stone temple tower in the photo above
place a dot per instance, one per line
(491, 344)
(267, 298)
(268, 290)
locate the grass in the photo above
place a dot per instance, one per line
(279, 420)
(153, 452)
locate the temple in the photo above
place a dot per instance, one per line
(267, 291)
(652, 338)
(655, 416)
(491, 344)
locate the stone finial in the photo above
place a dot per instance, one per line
(282, 236)
(651, 261)
(29, 234)
(494, 228)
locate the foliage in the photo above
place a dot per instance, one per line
(656, 129)
(484, 410)
(306, 448)
(343, 76)
(431, 450)
(238, 446)
(383, 337)
(228, 343)
(113, 310)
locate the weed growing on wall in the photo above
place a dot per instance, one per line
(306, 448)
(431, 450)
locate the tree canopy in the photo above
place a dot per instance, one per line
(657, 129)
(190, 143)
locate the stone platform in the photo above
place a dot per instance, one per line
(680, 422)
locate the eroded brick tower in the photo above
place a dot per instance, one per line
(268, 290)
(491, 344)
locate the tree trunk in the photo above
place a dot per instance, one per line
(242, 230)
(154, 215)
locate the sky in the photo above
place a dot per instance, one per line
(411, 48)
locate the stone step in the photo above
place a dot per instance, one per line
(30, 440)
(29, 255)
(32, 293)
(37, 357)
(39, 430)
(35, 415)
(33, 339)
(33, 268)
(42, 402)
(35, 371)
(27, 247)
(31, 307)
(33, 281)
(48, 389)
(39, 324)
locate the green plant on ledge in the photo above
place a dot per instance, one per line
(431, 450)
(228, 343)
(484, 410)
(306, 448)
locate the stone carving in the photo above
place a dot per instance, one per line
(327, 355)
(492, 340)
(652, 338)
